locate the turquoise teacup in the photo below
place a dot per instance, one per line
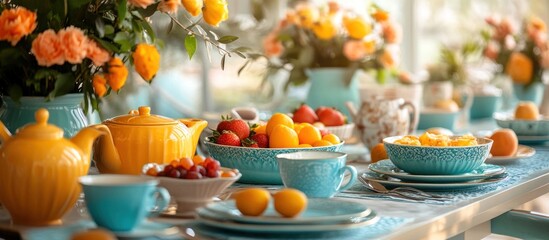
(318, 174)
(121, 202)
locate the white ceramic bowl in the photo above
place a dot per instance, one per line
(190, 194)
(344, 132)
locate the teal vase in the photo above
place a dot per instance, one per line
(65, 112)
(331, 87)
(532, 92)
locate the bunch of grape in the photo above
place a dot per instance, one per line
(192, 168)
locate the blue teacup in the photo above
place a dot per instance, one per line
(318, 174)
(121, 202)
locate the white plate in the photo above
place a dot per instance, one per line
(388, 168)
(150, 229)
(207, 217)
(391, 182)
(522, 152)
(318, 211)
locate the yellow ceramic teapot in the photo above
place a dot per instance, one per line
(39, 170)
(141, 137)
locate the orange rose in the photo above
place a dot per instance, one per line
(146, 60)
(354, 50)
(545, 59)
(215, 11)
(491, 51)
(324, 29)
(356, 27)
(194, 7)
(47, 49)
(380, 15)
(98, 55)
(117, 74)
(504, 28)
(140, 3)
(333, 7)
(168, 6)
(392, 32)
(16, 23)
(520, 68)
(389, 58)
(307, 15)
(535, 25)
(99, 85)
(272, 46)
(74, 43)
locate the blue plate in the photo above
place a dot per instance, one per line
(150, 229)
(318, 211)
(533, 140)
(391, 182)
(212, 219)
(388, 168)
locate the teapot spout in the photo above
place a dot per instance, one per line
(195, 126)
(105, 154)
(5, 134)
(352, 110)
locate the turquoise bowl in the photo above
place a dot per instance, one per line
(538, 127)
(443, 119)
(257, 165)
(427, 160)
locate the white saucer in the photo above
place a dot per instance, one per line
(150, 229)
(522, 152)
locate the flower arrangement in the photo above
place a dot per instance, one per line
(51, 48)
(322, 36)
(522, 55)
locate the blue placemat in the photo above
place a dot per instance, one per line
(382, 227)
(517, 170)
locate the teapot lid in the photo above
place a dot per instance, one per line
(40, 129)
(142, 116)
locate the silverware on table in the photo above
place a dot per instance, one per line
(404, 192)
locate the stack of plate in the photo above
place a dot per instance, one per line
(386, 173)
(321, 215)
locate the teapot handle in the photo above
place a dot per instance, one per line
(414, 115)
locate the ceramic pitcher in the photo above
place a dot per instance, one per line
(380, 118)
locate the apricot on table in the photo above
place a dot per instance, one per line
(505, 142)
(526, 110)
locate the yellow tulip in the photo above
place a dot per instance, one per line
(118, 73)
(194, 7)
(520, 68)
(307, 15)
(215, 11)
(324, 29)
(356, 27)
(146, 60)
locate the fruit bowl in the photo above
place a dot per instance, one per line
(344, 132)
(190, 194)
(435, 160)
(257, 165)
(538, 127)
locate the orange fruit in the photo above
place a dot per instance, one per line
(309, 134)
(228, 174)
(198, 160)
(332, 138)
(252, 201)
(448, 105)
(304, 145)
(526, 111)
(279, 118)
(283, 136)
(322, 143)
(94, 234)
(505, 142)
(262, 128)
(290, 202)
(378, 152)
(186, 162)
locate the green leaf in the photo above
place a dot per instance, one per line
(149, 11)
(223, 62)
(122, 10)
(190, 45)
(109, 29)
(240, 54)
(242, 68)
(107, 45)
(149, 30)
(64, 83)
(227, 39)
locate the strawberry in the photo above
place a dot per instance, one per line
(261, 139)
(304, 114)
(331, 117)
(239, 127)
(224, 124)
(320, 109)
(228, 138)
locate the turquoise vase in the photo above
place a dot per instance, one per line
(65, 112)
(532, 92)
(330, 88)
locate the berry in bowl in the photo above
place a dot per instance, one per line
(253, 149)
(432, 154)
(193, 183)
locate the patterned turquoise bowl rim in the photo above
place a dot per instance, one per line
(437, 160)
(522, 127)
(257, 165)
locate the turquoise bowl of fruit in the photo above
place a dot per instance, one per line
(192, 185)
(257, 165)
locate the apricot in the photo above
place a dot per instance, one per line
(252, 201)
(290, 202)
(526, 110)
(378, 153)
(505, 142)
(94, 234)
